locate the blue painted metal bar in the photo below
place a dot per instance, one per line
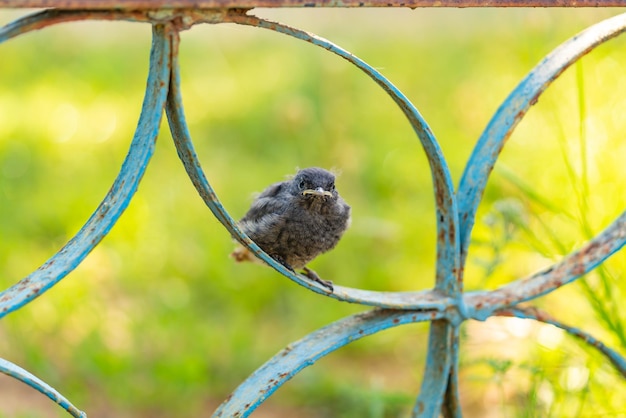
(22, 375)
(451, 407)
(538, 315)
(438, 363)
(514, 108)
(573, 266)
(116, 200)
(303, 353)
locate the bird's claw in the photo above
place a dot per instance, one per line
(308, 273)
(314, 276)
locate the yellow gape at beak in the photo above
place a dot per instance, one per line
(317, 192)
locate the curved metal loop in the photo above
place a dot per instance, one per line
(300, 354)
(514, 108)
(187, 154)
(118, 197)
(34, 382)
(618, 361)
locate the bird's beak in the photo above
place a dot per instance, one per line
(317, 192)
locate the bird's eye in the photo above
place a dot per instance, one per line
(332, 187)
(301, 185)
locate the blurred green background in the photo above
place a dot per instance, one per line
(159, 322)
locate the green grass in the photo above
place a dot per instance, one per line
(158, 318)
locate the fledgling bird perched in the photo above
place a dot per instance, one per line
(296, 220)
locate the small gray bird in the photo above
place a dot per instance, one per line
(296, 220)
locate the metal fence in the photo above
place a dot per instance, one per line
(446, 306)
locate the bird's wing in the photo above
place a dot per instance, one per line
(270, 202)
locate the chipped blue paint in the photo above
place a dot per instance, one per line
(513, 110)
(116, 200)
(305, 352)
(16, 372)
(446, 306)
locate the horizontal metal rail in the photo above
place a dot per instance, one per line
(249, 4)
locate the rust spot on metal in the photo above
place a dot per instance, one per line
(35, 291)
(578, 269)
(534, 100)
(439, 199)
(451, 234)
(441, 235)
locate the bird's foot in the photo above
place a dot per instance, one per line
(314, 276)
(307, 272)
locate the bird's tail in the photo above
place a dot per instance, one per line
(242, 254)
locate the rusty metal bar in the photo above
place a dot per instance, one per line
(248, 4)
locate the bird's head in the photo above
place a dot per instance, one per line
(315, 183)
